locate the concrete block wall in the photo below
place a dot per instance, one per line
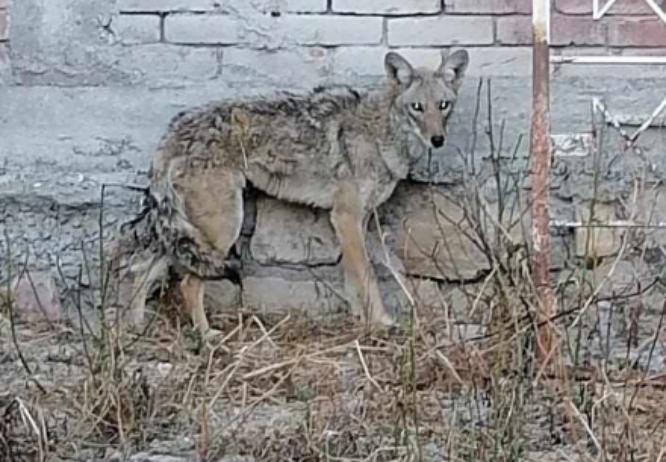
(88, 86)
(4, 36)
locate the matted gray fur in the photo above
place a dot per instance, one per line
(334, 148)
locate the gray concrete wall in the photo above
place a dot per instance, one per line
(88, 86)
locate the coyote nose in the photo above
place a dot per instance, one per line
(437, 141)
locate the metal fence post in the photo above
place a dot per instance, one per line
(541, 162)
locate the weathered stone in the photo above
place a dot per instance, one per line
(566, 31)
(273, 32)
(279, 67)
(572, 144)
(142, 6)
(277, 295)
(625, 7)
(597, 242)
(637, 33)
(426, 293)
(227, 6)
(624, 277)
(138, 28)
(488, 6)
(431, 236)
(167, 65)
(36, 296)
(60, 145)
(440, 236)
(3, 25)
(222, 295)
(387, 6)
(650, 210)
(484, 62)
(443, 30)
(293, 234)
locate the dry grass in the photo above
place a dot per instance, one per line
(291, 389)
(451, 384)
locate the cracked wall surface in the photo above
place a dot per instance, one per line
(87, 88)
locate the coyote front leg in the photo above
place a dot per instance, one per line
(347, 218)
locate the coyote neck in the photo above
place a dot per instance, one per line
(377, 118)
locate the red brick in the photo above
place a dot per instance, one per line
(515, 30)
(488, 6)
(3, 24)
(565, 30)
(625, 7)
(638, 32)
(441, 31)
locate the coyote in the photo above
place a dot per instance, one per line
(333, 149)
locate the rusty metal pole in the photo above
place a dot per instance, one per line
(541, 162)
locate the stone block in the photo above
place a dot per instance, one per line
(430, 238)
(565, 31)
(162, 64)
(200, 29)
(644, 32)
(436, 234)
(302, 66)
(625, 277)
(141, 6)
(36, 296)
(222, 295)
(277, 295)
(4, 35)
(488, 6)
(299, 6)
(262, 31)
(484, 61)
(226, 6)
(597, 242)
(4, 59)
(290, 234)
(623, 7)
(331, 30)
(441, 30)
(387, 7)
(138, 28)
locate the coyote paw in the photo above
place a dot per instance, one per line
(212, 334)
(382, 320)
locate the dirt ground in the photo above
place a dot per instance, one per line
(285, 388)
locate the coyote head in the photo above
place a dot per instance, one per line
(427, 97)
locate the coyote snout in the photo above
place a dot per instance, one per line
(335, 149)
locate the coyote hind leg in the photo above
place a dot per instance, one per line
(146, 275)
(192, 289)
(213, 201)
(348, 220)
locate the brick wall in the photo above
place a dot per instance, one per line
(350, 36)
(304, 42)
(4, 34)
(87, 88)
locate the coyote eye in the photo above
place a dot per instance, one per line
(417, 107)
(444, 105)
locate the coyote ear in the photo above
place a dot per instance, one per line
(398, 69)
(453, 68)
